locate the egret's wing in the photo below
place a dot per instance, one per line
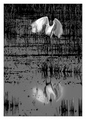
(38, 24)
(39, 96)
(58, 30)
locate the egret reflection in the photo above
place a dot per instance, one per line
(44, 96)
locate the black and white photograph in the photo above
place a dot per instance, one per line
(43, 60)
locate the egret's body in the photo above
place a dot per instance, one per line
(55, 29)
